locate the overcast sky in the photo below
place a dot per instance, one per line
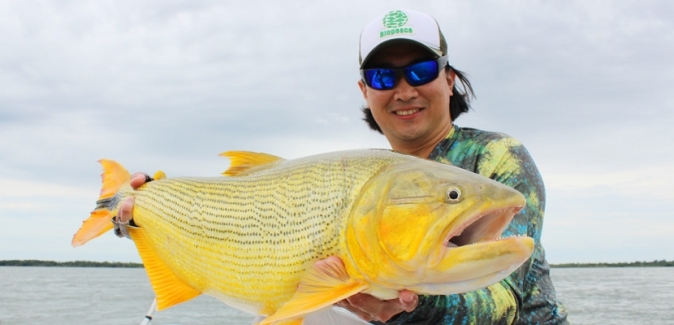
(585, 85)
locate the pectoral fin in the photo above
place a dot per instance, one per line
(297, 321)
(326, 283)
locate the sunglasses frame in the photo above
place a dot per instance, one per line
(442, 62)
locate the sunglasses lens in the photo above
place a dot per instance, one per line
(421, 73)
(380, 78)
(416, 74)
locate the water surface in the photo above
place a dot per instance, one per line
(103, 296)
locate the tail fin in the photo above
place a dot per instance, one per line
(114, 176)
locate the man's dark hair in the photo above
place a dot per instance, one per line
(459, 102)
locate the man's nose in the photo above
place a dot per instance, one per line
(404, 92)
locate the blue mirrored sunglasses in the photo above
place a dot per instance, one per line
(416, 74)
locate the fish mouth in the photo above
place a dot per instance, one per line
(484, 227)
(473, 254)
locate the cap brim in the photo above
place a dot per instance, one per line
(397, 41)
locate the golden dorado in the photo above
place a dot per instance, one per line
(251, 239)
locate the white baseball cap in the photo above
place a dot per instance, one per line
(401, 25)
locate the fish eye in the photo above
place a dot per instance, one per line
(453, 195)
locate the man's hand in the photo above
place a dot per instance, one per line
(125, 212)
(370, 308)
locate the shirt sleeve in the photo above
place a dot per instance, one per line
(495, 304)
(527, 295)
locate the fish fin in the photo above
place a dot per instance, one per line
(113, 177)
(159, 175)
(323, 285)
(243, 161)
(296, 321)
(98, 223)
(168, 288)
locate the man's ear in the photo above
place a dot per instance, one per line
(363, 88)
(451, 76)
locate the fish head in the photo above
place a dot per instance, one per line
(435, 229)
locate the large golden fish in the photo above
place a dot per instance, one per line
(251, 239)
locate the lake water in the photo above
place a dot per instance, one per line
(102, 296)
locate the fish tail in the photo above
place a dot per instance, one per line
(99, 222)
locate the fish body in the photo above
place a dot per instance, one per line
(251, 239)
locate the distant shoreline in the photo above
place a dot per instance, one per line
(139, 265)
(69, 264)
(622, 264)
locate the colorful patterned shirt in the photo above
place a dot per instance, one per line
(527, 296)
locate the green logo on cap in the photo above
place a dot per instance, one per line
(394, 22)
(395, 19)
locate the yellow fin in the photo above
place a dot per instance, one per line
(297, 321)
(159, 175)
(326, 283)
(242, 161)
(113, 177)
(98, 223)
(167, 287)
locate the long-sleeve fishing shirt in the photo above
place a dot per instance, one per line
(527, 296)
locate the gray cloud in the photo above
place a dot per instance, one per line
(585, 85)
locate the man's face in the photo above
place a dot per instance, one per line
(409, 116)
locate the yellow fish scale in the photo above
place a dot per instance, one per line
(224, 235)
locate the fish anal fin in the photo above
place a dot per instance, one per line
(168, 288)
(242, 161)
(98, 223)
(324, 284)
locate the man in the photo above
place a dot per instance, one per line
(412, 100)
(409, 87)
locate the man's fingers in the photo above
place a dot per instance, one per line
(125, 212)
(390, 308)
(370, 308)
(408, 300)
(137, 179)
(365, 302)
(355, 310)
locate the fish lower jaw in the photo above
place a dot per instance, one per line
(456, 287)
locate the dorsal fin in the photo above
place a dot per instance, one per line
(243, 161)
(159, 175)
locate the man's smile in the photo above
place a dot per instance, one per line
(407, 112)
